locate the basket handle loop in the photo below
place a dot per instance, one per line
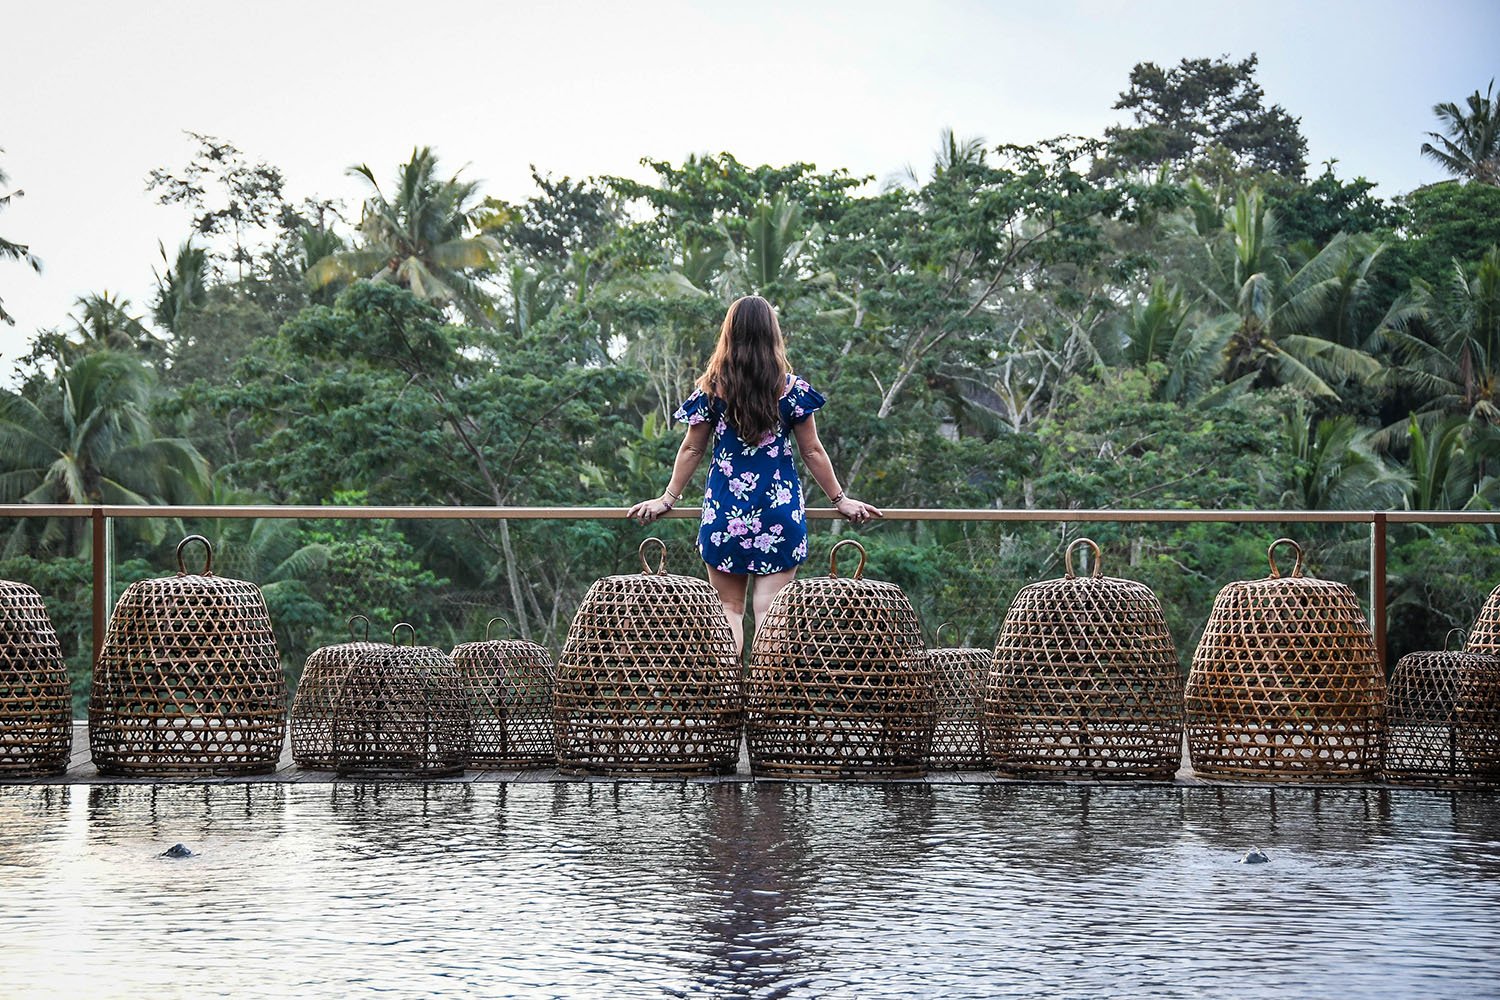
(937, 637)
(1096, 568)
(661, 562)
(833, 558)
(1462, 638)
(491, 624)
(395, 637)
(208, 555)
(358, 618)
(1271, 557)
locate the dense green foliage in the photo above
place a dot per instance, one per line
(1173, 316)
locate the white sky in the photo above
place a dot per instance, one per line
(97, 94)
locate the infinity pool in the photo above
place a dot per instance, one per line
(616, 890)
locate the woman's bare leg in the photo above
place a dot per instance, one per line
(766, 588)
(731, 589)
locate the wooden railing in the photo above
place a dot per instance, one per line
(103, 516)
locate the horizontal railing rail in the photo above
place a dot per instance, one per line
(102, 514)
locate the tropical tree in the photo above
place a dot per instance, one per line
(181, 287)
(85, 437)
(424, 238)
(1448, 342)
(10, 250)
(1335, 466)
(1162, 329)
(1294, 322)
(103, 322)
(1471, 147)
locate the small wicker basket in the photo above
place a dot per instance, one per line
(1443, 723)
(36, 703)
(189, 679)
(401, 711)
(648, 682)
(510, 696)
(312, 708)
(840, 685)
(959, 675)
(1086, 681)
(1285, 683)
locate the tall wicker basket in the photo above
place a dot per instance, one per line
(840, 684)
(959, 675)
(510, 695)
(36, 703)
(1484, 637)
(401, 711)
(648, 682)
(1285, 683)
(1085, 681)
(1443, 724)
(189, 680)
(312, 708)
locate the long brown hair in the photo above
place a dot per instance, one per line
(748, 368)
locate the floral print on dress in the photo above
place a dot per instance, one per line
(752, 507)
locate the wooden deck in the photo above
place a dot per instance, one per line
(81, 771)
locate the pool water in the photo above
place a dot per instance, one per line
(766, 890)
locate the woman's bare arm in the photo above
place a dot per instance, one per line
(815, 457)
(689, 457)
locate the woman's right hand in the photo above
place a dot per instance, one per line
(649, 510)
(857, 511)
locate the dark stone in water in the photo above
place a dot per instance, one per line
(1254, 856)
(177, 851)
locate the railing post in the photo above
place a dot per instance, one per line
(100, 554)
(1377, 584)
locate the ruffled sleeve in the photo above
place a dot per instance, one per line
(694, 410)
(800, 401)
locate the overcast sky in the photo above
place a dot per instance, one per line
(97, 94)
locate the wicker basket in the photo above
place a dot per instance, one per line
(840, 684)
(1484, 637)
(189, 680)
(403, 710)
(1285, 683)
(510, 696)
(959, 675)
(648, 681)
(1085, 681)
(36, 702)
(1443, 723)
(312, 708)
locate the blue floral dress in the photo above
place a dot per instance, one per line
(753, 519)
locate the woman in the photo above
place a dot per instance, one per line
(754, 521)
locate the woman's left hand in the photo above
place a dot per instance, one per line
(649, 510)
(857, 510)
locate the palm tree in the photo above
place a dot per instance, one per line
(13, 251)
(425, 239)
(1443, 473)
(1457, 364)
(84, 437)
(1293, 325)
(103, 323)
(1335, 466)
(1472, 146)
(770, 253)
(182, 288)
(1160, 330)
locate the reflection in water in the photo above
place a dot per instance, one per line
(765, 890)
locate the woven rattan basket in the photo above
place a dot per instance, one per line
(403, 710)
(189, 679)
(1443, 721)
(36, 703)
(840, 685)
(959, 675)
(510, 696)
(312, 708)
(1285, 683)
(1484, 637)
(648, 681)
(1085, 681)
